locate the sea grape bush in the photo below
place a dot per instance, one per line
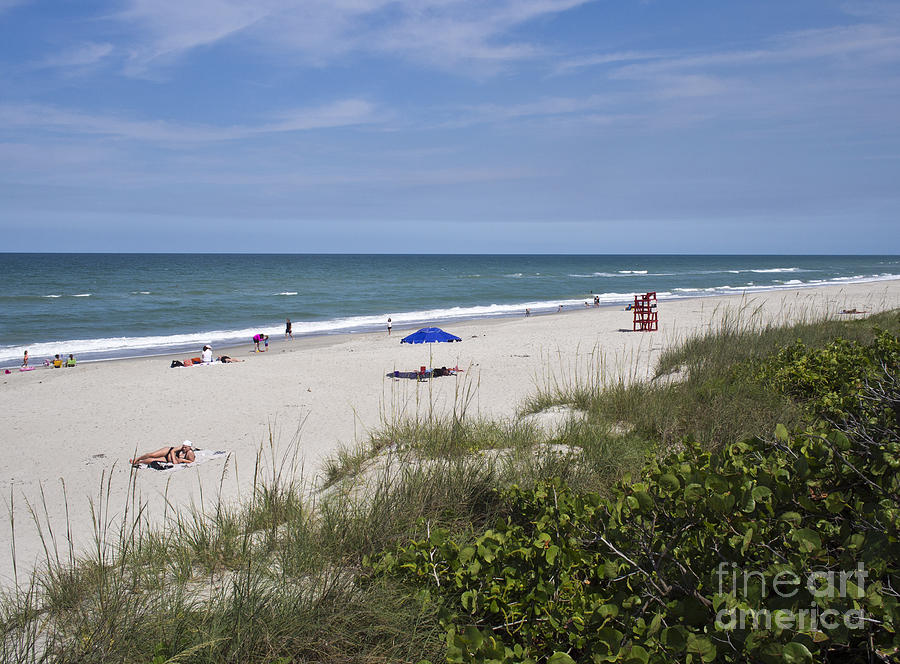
(782, 550)
(830, 381)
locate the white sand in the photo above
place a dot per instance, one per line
(71, 429)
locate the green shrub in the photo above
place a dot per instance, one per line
(829, 381)
(783, 550)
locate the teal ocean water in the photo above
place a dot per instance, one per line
(100, 306)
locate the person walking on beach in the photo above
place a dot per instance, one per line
(390, 324)
(25, 361)
(287, 330)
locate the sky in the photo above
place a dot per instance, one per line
(450, 126)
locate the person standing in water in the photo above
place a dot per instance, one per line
(287, 330)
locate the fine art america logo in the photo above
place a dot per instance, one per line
(824, 587)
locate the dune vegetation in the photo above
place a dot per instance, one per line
(765, 454)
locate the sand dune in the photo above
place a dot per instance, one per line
(69, 431)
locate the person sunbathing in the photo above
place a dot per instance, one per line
(173, 455)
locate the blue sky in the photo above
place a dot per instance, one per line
(524, 126)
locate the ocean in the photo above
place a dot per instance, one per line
(103, 306)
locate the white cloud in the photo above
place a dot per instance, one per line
(83, 55)
(440, 33)
(9, 4)
(171, 27)
(870, 41)
(600, 59)
(341, 113)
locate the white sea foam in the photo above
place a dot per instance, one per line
(51, 296)
(127, 346)
(595, 274)
(82, 295)
(192, 342)
(287, 293)
(623, 273)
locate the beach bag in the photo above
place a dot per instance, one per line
(177, 363)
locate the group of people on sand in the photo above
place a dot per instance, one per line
(56, 363)
(259, 338)
(262, 338)
(206, 357)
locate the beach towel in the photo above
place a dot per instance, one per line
(200, 456)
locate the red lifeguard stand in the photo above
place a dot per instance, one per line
(646, 319)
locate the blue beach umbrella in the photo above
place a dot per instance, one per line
(429, 335)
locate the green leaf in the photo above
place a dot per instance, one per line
(808, 540)
(637, 655)
(473, 638)
(792, 518)
(748, 537)
(669, 482)
(781, 433)
(717, 484)
(644, 500)
(551, 553)
(560, 658)
(701, 646)
(796, 653)
(674, 637)
(693, 493)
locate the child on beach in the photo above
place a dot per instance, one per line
(287, 330)
(266, 340)
(71, 361)
(25, 361)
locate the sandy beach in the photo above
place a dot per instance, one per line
(69, 432)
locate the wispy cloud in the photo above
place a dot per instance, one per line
(540, 108)
(342, 113)
(600, 59)
(169, 28)
(82, 55)
(440, 33)
(9, 4)
(869, 41)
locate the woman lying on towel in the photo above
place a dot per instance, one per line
(173, 455)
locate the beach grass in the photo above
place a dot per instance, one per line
(703, 388)
(281, 577)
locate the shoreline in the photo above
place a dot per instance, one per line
(72, 431)
(538, 308)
